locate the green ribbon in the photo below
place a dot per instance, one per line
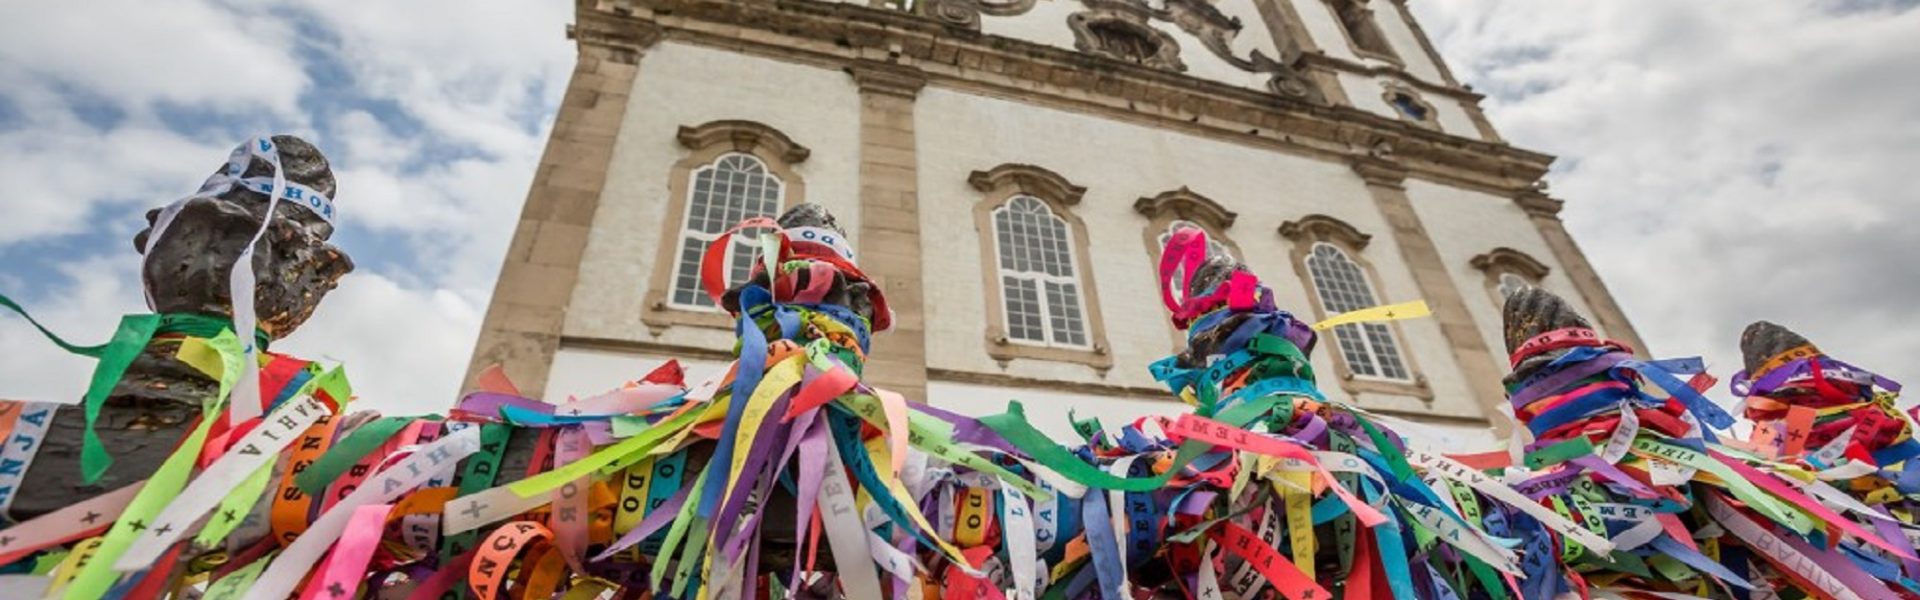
(348, 452)
(1014, 427)
(477, 473)
(128, 341)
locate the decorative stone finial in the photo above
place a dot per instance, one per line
(1764, 340)
(186, 271)
(1530, 312)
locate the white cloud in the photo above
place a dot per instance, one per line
(405, 349)
(179, 51)
(83, 309)
(472, 84)
(1721, 162)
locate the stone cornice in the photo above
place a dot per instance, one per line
(1376, 169)
(1539, 204)
(876, 77)
(834, 35)
(613, 30)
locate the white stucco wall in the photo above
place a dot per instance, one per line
(678, 85)
(960, 133)
(1466, 223)
(1405, 43)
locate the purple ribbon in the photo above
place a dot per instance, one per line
(1564, 378)
(1743, 386)
(488, 404)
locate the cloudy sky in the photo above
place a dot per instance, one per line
(1722, 161)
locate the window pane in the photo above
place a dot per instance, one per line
(1036, 262)
(686, 282)
(735, 187)
(1353, 350)
(1063, 303)
(1369, 349)
(1023, 309)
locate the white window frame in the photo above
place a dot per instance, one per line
(1040, 279)
(1366, 343)
(687, 232)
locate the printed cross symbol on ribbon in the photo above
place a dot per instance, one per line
(91, 517)
(163, 529)
(229, 515)
(473, 509)
(336, 590)
(137, 525)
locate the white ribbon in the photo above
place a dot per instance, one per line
(1018, 533)
(1452, 469)
(245, 397)
(29, 430)
(254, 451)
(306, 550)
(845, 534)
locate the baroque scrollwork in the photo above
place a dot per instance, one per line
(1121, 30)
(1216, 31)
(966, 13)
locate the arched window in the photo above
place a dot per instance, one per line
(732, 188)
(733, 170)
(1039, 295)
(1509, 271)
(1369, 348)
(1039, 287)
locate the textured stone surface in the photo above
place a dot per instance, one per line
(187, 272)
(1763, 340)
(1531, 312)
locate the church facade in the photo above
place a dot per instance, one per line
(1007, 169)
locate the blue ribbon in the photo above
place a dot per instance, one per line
(1103, 545)
(752, 365)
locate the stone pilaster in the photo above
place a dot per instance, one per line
(1386, 182)
(1545, 212)
(523, 323)
(890, 222)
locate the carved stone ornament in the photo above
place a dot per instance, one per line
(1216, 31)
(1120, 31)
(965, 14)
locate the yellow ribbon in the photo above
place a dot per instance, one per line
(1390, 312)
